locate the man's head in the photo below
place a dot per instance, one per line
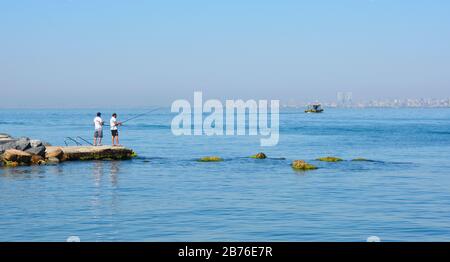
(114, 115)
(99, 114)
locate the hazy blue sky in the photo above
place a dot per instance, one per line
(136, 53)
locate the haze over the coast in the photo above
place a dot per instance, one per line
(140, 53)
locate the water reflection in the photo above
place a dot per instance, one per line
(104, 197)
(22, 172)
(99, 169)
(56, 169)
(114, 170)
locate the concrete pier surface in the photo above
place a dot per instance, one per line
(72, 153)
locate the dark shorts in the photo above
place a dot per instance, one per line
(114, 132)
(98, 133)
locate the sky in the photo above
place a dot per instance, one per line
(91, 53)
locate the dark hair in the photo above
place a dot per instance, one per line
(114, 114)
(99, 114)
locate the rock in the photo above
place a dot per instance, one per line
(6, 146)
(259, 156)
(5, 140)
(35, 143)
(52, 160)
(37, 160)
(329, 159)
(3, 148)
(302, 165)
(11, 164)
(210, 159)
(14, 155)
(362, 160)
(54, 152)
(23, 144)
(3, 135)
(40, 150)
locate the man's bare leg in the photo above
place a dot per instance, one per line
(95, 141)
(112, 140)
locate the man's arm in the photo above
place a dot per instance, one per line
(101, 122)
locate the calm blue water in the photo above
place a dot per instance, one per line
(164, 195)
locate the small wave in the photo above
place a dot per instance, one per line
(399, 163)
(149, 158)
(362, 160)
(440, 132)
(12, 123)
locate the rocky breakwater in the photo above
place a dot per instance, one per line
(25, 151)
(21, 151)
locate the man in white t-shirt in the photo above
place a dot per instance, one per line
(98, 133)
(114, 130)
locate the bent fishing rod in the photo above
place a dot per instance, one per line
(138, 115)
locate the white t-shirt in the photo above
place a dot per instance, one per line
(98, 123)
(112, 124)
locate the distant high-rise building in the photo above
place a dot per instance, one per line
(344, 99)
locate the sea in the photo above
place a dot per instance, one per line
(165, 194)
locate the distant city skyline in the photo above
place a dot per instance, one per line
(98, 53)
(345, 100)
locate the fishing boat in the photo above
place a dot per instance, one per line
(314, 108)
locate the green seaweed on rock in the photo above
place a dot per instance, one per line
(329, 159)
(210, 159)
(302, 165)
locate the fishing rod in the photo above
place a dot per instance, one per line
(138, 115)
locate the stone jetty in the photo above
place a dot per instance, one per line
(73, 153)
(25, 151)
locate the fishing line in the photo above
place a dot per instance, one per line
(138, 115)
